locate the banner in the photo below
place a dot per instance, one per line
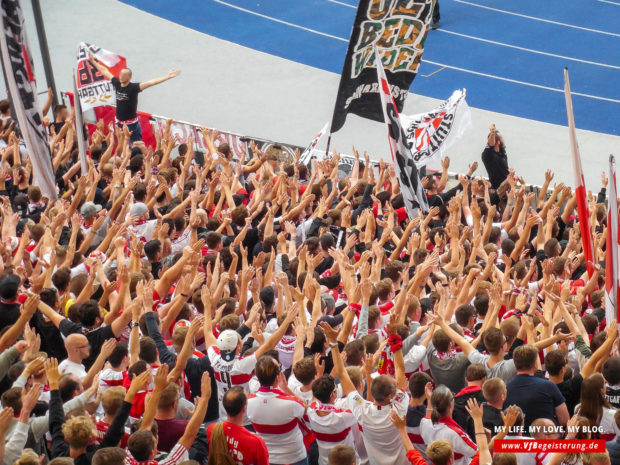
(398, 30)
(612, 248)
(406, 170)
(181, 132)
(19, 74)
(309, 152)
(79, 131)
(430, 134)
(92, 87)
(580, 184)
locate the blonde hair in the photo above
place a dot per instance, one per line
(218, 447)
(505, 459)
(439, 452)
(112, 399)
(28, 457)
(78, 431)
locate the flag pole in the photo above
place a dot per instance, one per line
(580, 184)
(45, 53)
(329, 141)
(612, 248)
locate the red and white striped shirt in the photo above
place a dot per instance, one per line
(276, 418)
(330, 426)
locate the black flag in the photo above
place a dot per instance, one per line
(397, 28)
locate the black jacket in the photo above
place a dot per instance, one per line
(61, 449)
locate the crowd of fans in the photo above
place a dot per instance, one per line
(176, 307)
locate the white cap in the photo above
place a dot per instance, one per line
(227, 341)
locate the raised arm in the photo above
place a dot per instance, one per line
(456, 337)
(102, 69)
(331, 336)
(159, 80)
(200, 410)
(277, 335)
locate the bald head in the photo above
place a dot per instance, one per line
(543, 428)
(77, 347)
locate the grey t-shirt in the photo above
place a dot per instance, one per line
(505, 369)
(450, 372)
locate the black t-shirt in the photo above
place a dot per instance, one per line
(96, 338)
(613, 396)
(492, 419)
(9, 314)
(571, 390)
(126, 99)
(536, 396)
(51, 339)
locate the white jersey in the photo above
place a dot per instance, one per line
(109, 378)
(295, 385)
(358, 439)
(276, 417)
(331, 426)
(237, 372)
(383, 443)
(143, 230)
(462, 445)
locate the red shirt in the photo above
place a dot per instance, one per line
(102, 429)
(246, 448)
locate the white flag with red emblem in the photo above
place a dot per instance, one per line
(406, 170)
(431, 134)
(612, 276)
(309, 152)
(580, 184)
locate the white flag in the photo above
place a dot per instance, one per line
(19, 73)
(310, 150)
(431, 134)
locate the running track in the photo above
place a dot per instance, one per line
(509, 55)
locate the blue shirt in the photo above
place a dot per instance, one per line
(537, 397)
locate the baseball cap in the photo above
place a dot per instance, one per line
(9, 286)
(227, 343)
(89, 209)
(330, 303)
(138, 209)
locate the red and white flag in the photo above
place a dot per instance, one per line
(309, 152)
(93, 89)
(612, 267)
(580, 184)
(406, 170)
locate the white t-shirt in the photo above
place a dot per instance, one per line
(182, 241)
(383, 443)
(276, 417)
(67, 367)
